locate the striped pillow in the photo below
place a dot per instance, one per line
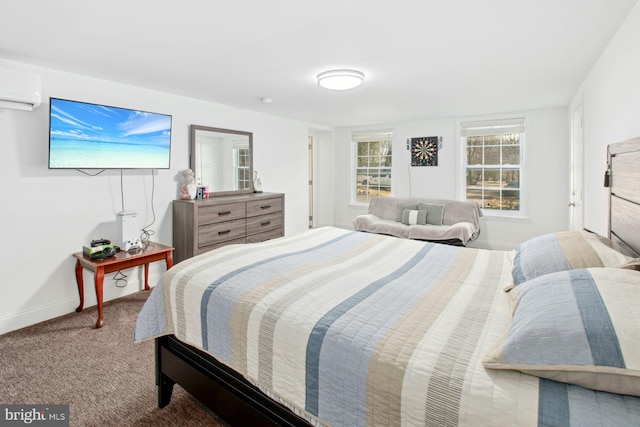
(580, 327)
(414, 217)
(401, 208)
(563, 251)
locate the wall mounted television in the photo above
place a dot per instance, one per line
(94, 136)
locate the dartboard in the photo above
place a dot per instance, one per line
(424, 151)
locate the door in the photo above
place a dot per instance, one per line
(310, 182)
(577, 162)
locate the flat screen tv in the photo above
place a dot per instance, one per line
(93, 136)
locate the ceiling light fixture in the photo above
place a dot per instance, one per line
(340, 79)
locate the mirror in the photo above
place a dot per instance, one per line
(222, 159)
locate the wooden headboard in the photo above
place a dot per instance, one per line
(624, 201)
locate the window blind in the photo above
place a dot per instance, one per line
(492, 127)
(366, 136)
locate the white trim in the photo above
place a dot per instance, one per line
(576, 169)
(462, 167)
(363, 135)
(20, 319)
(505, 218)
(493, 126)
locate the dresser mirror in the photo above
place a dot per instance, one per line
(222, 159)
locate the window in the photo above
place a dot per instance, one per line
(373, 164)
(242, 167)
(493, 164)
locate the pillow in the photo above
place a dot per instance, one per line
(434, 212)
(563, 251)
(414, 217)
(401, 209)
(579, 326)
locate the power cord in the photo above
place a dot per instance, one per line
(121, 279)
(146, 233)
(90, 174)
(121, 190)
(409, 174)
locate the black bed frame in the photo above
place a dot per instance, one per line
(238, 402)
(216, 386)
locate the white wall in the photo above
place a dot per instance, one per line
(611, 94)
(49, 214)
(546, 179)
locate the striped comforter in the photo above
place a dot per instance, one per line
(355, 329)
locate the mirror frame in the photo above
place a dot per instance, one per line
(193, 160)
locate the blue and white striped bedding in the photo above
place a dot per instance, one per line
(354, 329)
(580, 326)
(562, 251)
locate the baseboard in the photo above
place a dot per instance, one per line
(20, 319)
(344, 226)
(31, 316)
(493, 245)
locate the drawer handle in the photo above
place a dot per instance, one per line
(224, 213)
(265, 223)
(265, 206)
(224, 232)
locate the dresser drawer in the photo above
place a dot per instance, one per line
(261, 237)
(218, 213)
(202, 225)
(266, 206)
(219, 245)
(221, 232)
(262, 223)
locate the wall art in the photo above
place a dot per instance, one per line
(424, 151)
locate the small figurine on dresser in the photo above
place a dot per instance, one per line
(188, 189)
(257, 182)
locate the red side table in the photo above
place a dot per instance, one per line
(122, 260)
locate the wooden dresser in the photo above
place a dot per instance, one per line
(202, 225)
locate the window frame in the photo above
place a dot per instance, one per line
(362, 136)
(498, 122)
(238, 153)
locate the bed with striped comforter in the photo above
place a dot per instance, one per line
(354, 329)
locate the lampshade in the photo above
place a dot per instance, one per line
(340, 79)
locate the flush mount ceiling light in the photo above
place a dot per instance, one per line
(340, 79)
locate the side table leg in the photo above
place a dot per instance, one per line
(80, 282)
(99, 281)
(146, 276)
(169, 259)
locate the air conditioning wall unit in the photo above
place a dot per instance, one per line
(19, 89)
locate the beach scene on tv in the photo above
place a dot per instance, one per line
(91, 136)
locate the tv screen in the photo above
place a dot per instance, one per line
(93, 136)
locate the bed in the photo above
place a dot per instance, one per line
(344, 328)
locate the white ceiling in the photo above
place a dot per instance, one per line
(422, 58)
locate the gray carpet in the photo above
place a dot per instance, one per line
(106, 378)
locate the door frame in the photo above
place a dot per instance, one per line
(576, 194)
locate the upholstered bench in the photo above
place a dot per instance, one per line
(446, 221)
